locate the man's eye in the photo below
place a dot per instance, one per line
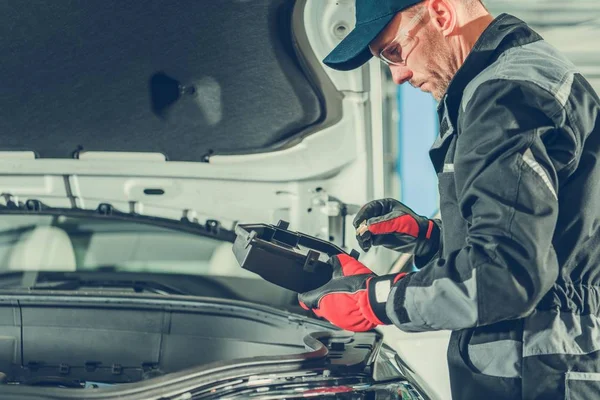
(394, 53)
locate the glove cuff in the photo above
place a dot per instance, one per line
(429, 244)
(379, 289)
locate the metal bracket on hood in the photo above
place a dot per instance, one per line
(327, 217)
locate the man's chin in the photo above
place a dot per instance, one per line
(438, 92)
(437, 95)
(428, 87)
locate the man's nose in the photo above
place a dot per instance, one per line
(400, 74)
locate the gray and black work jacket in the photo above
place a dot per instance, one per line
(517, 277)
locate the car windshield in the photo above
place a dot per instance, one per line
(64, 243)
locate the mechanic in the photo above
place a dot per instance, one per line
(512, 267)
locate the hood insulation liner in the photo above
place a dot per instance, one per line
(183, 78)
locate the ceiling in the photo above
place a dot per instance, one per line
(573, 26)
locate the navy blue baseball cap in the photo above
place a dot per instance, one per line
(372, 16)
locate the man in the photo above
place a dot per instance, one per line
(512, 268)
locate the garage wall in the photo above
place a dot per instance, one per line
(572, 26)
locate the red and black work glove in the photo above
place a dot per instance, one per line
(354, 299)
(393, 225)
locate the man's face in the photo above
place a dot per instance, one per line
(428, 66)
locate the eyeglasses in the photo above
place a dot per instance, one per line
(397, 51)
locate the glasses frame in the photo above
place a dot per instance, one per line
(403, 39)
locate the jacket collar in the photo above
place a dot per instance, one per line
(505, 32)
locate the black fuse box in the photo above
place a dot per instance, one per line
(288, 259)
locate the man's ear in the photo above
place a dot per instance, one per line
(443, 16)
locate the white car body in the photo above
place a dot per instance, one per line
(345, 160)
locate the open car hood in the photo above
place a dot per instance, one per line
(185, 81)
(182, 83)
(198, 110)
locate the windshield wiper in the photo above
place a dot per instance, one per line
(77, 283)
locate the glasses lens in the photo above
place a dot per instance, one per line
(397, 51)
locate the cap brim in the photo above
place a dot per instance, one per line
(353, 51)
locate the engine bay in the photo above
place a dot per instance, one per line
(101, 341)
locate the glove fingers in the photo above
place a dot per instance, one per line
(373, 209)
(379, 208)
(394, 241)
(394, 222)
(350, 284)
(309, 300)
(336, 267)
(397, 242)
(303, 305)
(364, 241)
(343, 310)
(351, 266)
(393, 230)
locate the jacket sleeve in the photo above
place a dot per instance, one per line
(507, 188)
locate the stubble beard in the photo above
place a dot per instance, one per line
(441, 68)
